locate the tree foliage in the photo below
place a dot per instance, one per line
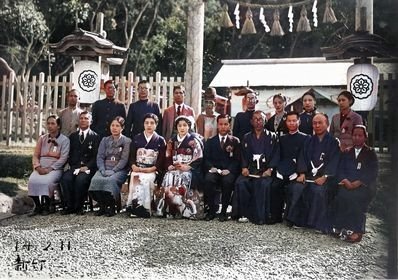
(155, 32)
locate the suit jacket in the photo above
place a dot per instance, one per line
(343, 132)
(84, 154)
(223, 158)
(169, 116)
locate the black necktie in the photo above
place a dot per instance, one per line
(222, 142)
(81, 137)
(179, 110)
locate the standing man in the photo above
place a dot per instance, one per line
(319, 162)
(137, 111)
(105, 110)
(221, 163)
(70, 115)
(177, 109)
(82, 161)
(242, 122)
(260, 154)
(291, 145)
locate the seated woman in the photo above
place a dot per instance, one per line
(343, 122)
(180, 185)
(112, 163)
(357, 174)
(49, 158)
(146, 160)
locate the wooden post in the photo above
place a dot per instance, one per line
(40, 102)
(194, 63)
(364, 15)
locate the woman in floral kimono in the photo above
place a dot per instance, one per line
(147, 155)
(182, 181)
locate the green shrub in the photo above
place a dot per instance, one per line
(15, 165)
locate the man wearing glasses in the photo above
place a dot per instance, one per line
(138, 109)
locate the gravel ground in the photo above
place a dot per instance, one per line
(121, 247)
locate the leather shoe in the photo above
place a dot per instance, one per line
(209, 217)
(100, 212)
(223, 218)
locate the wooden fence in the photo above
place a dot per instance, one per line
(23, 119)
(25, 105)
(380, 123)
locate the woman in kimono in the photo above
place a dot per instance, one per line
(147, 155)
(112, 163)
(356, 175)
(277, 123)
(309, 110)
(181, 183)
(343, 122)
(49, 158)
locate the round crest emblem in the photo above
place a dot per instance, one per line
(88, 80)
(361, 86)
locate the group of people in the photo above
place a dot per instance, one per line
(293, 167)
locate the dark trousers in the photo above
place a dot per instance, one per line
(74, 189)
(253, 198)
(215, 182)
(350, 208)
(277, 200)
(295, 209)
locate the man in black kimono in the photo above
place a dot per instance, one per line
(82, 165)
(105, 110)
(319, 162)
(357, 173)
(291, 145)
(222, 166)
(260, 154)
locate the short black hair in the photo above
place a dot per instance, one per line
(142, 82)
(224, 116)
(291, 113)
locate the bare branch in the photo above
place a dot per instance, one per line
(155, 13)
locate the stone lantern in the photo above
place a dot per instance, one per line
(92, 56)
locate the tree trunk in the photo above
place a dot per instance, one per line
(129, 39)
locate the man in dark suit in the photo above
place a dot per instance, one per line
(82, 165)
(105, 110)
(137, 111)
(222, 164)
(177, 109)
